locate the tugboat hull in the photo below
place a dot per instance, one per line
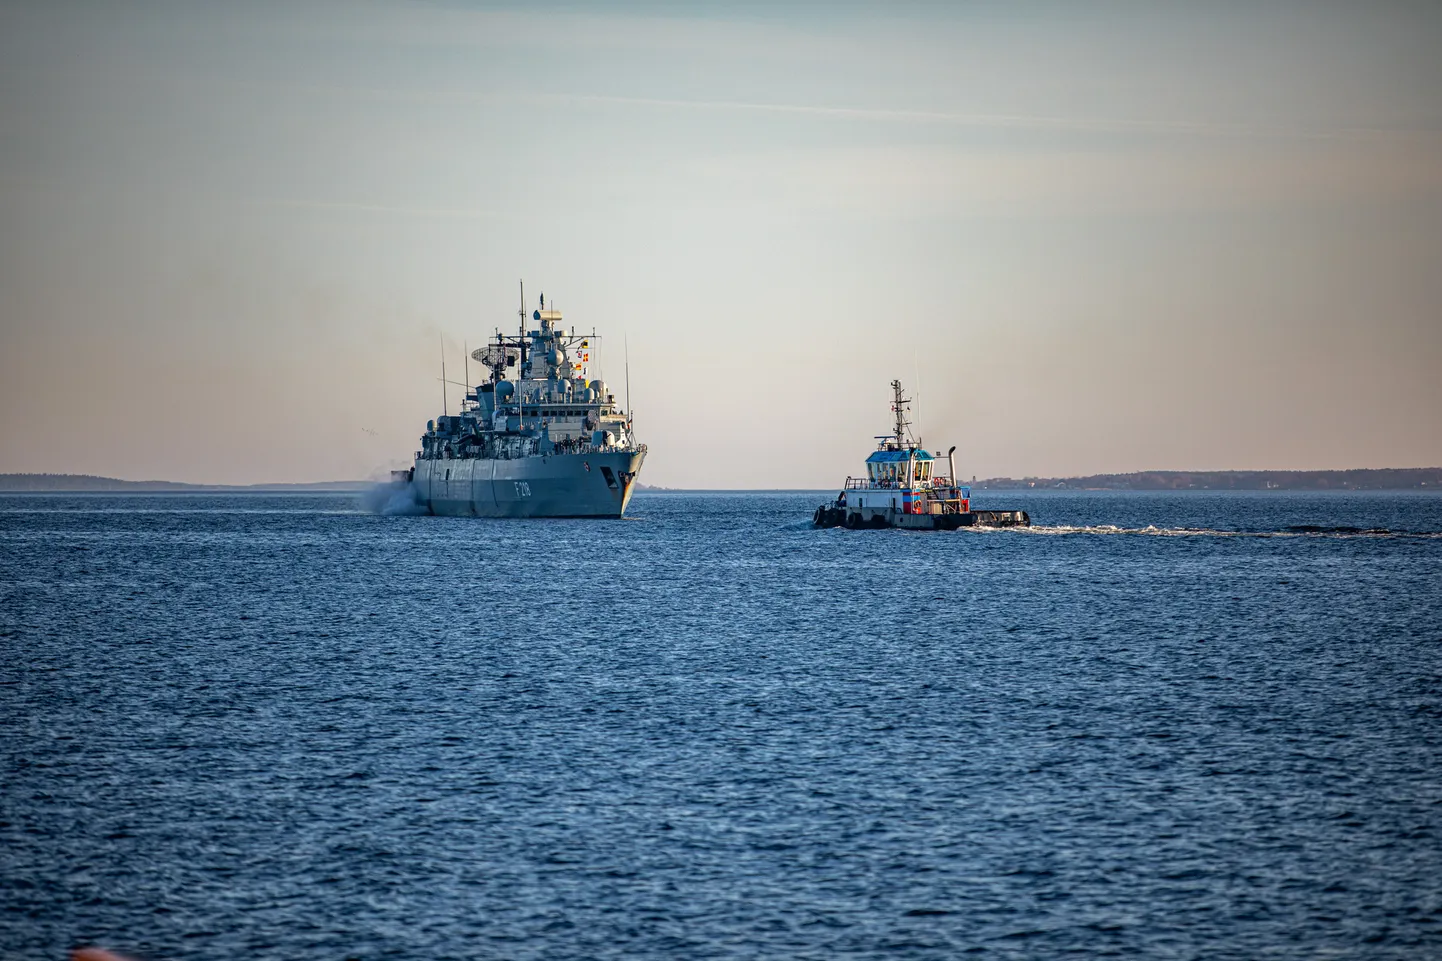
(866, 517)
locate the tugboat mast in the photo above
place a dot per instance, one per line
(899, 405)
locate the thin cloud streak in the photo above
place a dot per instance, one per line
(1006, 120)
(440, 212)
(153, 191)
(877, 114)
(889, 115)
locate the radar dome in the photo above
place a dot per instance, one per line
(505, 390)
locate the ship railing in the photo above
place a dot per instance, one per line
(562, 448)
(507, 453)
(935, 484)
(867, 484)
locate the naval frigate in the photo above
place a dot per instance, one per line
(538, 439)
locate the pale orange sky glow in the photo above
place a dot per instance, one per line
(1090, 237)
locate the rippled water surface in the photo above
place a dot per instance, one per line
(1165, 726)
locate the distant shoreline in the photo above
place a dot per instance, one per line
(1390, 478)
(1381, 479)
(90, 483)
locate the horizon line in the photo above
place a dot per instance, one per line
(344, 486)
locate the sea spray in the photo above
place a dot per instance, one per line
(392, 499)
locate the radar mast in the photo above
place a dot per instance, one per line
(900, 405)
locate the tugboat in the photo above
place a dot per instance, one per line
(900, 488)
(537, 440)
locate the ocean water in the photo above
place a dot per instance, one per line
(1201, 725)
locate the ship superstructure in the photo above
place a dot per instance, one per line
(539, 438)
(902, 489)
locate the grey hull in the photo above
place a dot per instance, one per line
(546, 485)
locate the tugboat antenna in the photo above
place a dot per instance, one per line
(916, 365)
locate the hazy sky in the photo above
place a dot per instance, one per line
(1092, 237)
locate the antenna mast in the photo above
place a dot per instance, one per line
(916, 365)
(898, 404)
(444, 409)
(630, 416)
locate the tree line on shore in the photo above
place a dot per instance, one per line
(1392, 478)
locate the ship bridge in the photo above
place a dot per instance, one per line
(900, 480)
(891, 467)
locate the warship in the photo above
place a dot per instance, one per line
(538, 439)
(901, 488)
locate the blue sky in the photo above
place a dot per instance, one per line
(1095, 237)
